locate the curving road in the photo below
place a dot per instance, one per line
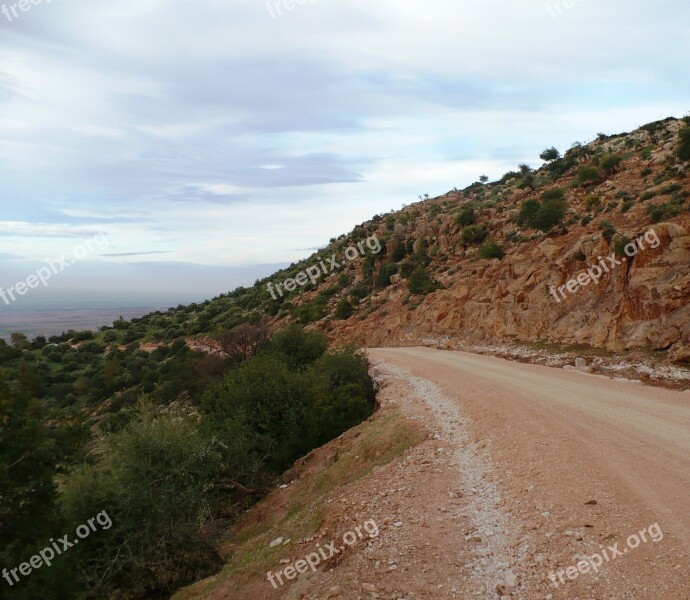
(575, 452)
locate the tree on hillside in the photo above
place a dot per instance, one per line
(527, 175)
(550, 154)
(244, 341)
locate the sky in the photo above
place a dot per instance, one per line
(207, 143)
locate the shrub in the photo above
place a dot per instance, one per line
(586, 174)
(627, 205)
(684, 147)
(528, 210)
(662, 212)
(344, 310)
(586, 220)
(592, 201)
(561, 166)
(607, 230)
(156, 472)
(406, 268)
(553, 194)
(465, 217)
(550, 214)
(297, 346)
(421, 282)
(383, 279)
(474, 234)
(399, 252)
(619, 245)
(491, 249)
(528, 178)
(610, 162)
(543, 215)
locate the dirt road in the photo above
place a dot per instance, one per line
(578, 465)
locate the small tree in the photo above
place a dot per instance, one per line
(483, 179)
(527, 175)
(550, 154)
(244, 341)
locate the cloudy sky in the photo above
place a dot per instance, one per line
(210, 141)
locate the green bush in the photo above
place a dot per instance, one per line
(297, 346)
(152, 481)
(553, 194)
(684, 147)
(663, 212)
(561, 166)
(491, 249)
(550, 214)
(543, 215)
(344, 309)
(610, 162)
(586, 174)
(619, 244)
(592, 201)
(627, 205)
(399, 252)
(465, 217)
(607, 230)
(528, 210)
(474, 234)
(421, 282)
(383, 279)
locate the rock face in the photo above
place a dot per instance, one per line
(641, 298)
(644, 302)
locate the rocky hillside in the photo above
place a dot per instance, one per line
(494, 261)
